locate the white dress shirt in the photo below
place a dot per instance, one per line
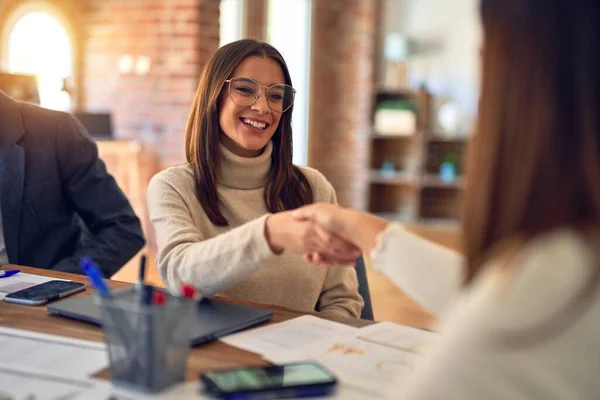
(474, 357)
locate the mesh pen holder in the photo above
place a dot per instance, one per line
(147, 344)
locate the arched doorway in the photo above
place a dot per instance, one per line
(37, 41)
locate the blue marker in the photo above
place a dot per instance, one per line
(120, 322)
(95, 276)
(9, 272)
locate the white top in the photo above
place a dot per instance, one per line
(429, 273)
(236, 260)
(472, 359)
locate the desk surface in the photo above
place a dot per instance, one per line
(215, 355)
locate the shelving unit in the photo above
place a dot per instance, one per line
(405, 183)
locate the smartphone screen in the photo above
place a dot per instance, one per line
(45, 292)
(248, 380)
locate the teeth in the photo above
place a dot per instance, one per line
(259, 125)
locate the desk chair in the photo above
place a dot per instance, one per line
(363, 288)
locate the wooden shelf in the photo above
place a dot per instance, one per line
(434, 181)
(395, 217)
(386, 136)
(392, 178)
(439, 222)
(442, 139)
(429, 222)
(418, 196)
(407, 93)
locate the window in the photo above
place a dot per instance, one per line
(288, 29)
(231, 16)
(38, 43)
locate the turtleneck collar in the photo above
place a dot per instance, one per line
(242, 172)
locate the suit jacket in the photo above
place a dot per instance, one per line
(58, 203)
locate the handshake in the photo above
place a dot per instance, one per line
(324, 233)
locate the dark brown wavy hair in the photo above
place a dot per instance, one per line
(287, 187)
(535, 161)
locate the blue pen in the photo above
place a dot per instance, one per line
(120, 320)
(9, 272)
(95, 276)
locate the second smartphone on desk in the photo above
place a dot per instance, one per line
(293, 380)
(45, 292)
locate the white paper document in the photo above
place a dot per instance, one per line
(371, 361)
(288, 335)
(50, 355)
(17, 384)
(41, 388)
(361, 366)
(25, 385)
(397, 336)
(21, 281)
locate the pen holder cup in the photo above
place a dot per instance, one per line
(147, 344)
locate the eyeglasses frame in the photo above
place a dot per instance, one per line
(228, 81)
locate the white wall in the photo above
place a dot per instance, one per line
(451, 29)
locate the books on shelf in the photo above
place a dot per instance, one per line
(396, 117)
(395, 122)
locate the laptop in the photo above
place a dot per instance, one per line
(214, 318)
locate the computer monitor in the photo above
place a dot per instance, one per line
(98, 124)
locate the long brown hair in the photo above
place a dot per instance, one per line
(287, 187)
(535, 161)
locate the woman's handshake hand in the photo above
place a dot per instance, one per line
(286, 232)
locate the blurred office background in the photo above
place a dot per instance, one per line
(387, 92)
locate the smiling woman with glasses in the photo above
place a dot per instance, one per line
(223, 221)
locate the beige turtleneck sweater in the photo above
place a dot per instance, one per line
(236, 260)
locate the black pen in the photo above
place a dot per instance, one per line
(142, 272)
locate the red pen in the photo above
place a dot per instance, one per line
(159, 298)
(188, 291)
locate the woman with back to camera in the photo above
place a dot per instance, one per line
(222, 220)
(528, 320)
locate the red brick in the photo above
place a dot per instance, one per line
(162, 30)
(342, 84)
(256, 19)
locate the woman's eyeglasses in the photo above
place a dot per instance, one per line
(245, 92)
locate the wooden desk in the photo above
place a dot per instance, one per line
(215, 355)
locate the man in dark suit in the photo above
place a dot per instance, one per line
(57, 202)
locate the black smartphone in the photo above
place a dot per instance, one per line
(302, 379)
(45, 292)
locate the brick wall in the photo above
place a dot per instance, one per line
(256, 19)
(341, 94)
(176, 36)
